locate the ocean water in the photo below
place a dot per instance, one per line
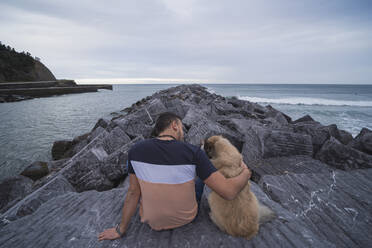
(29, 128)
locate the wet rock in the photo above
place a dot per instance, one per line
(336, 206)
(343, 157)
(36, 170)
(12, 190)
(60, 147)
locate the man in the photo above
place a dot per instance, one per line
(162, 176)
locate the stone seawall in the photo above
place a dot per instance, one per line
(10, 92)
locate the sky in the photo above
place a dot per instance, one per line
(207, 41)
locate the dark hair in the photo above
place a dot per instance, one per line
(163, 121)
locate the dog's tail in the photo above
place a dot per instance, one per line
(265, 214)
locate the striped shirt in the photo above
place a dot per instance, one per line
(166, 170)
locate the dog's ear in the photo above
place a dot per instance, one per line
(208, 148)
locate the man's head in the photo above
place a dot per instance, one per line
(169, 123)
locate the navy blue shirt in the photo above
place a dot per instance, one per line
(170, 152)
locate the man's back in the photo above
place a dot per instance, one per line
(166, 170)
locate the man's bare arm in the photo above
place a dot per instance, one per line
(228, 188)
(131, 202)
(129, 208)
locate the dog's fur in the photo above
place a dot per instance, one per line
(240, 216)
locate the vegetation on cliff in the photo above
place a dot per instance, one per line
(17, 67)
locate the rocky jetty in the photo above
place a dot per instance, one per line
(316, 178)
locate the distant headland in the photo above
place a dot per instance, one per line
(25, 77)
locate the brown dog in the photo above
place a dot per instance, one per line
(240, 216)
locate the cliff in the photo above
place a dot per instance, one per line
(21, 67)
(316, 178)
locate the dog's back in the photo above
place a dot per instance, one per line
(240, 216)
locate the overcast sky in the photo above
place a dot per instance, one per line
(274, 41)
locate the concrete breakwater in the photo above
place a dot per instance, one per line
(11, 92)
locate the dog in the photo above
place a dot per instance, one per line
(242, 215)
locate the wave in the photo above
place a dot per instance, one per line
(307, 101)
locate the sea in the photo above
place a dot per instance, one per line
(29, 128)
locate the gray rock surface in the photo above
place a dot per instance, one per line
(337, 206)
(343, 157)
(295, 163)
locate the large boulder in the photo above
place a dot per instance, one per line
(36, 170)
(59, 148)
(12, 190)
(319, 133)
(343, 157)
(281, 143)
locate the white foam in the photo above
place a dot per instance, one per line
(307, 101)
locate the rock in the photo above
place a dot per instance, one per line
(298, 164)
(102, 122)
(205, 128)
(63, 223)
(177, 106)
(363, 141)
(33, 201)
(345, 137)
(114, 166)
(135, 124)
(12, 190)
(56, 165)
(343, 157)
(319, 133)
(280, 143)
(154, 108)
(60, 147)
(277, 115)
(115, 139)
(253, 148)
(84, 173)
(78, 143)
(305, 118)
(337, 206)
(36, 170)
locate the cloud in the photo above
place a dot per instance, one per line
(216, 41)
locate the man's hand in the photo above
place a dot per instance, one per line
(110, 233)
(244, 166)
